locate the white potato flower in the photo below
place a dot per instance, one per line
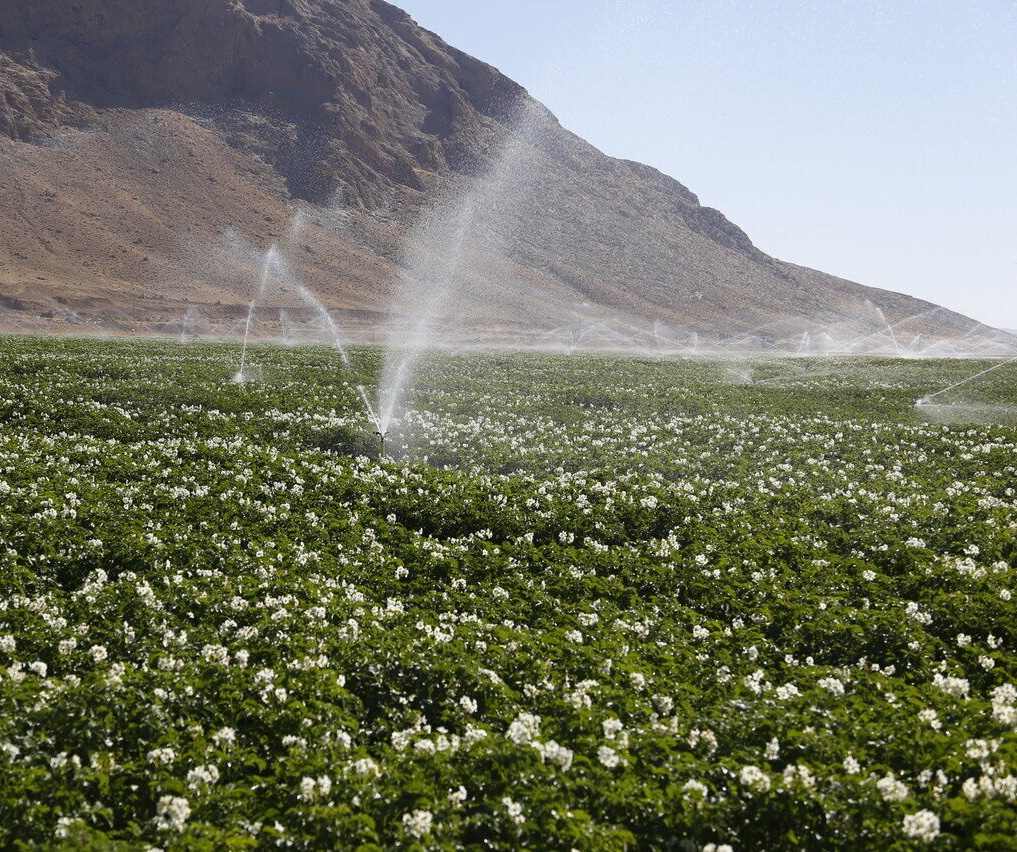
(923, 826)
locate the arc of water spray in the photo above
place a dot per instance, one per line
(440, 245)
(292, 240)
(439, 278)
(925, 399)
(270, 260)
(370, 409)
(380, 432)
(274, 265)
(889, 328)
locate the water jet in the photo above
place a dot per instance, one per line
(926, 400)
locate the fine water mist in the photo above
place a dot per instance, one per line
(273, 277)
(442, 259)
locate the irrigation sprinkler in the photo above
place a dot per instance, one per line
(925, 400)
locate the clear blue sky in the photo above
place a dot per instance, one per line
(872, 140)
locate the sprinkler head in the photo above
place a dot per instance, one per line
(381, 443)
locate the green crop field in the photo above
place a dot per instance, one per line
(585, 603)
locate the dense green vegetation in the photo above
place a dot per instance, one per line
(590, 603)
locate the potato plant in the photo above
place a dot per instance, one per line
(590, 603)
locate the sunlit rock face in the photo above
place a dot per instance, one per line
(136, 133)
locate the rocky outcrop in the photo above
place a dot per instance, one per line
(354, 86)
(29, 108)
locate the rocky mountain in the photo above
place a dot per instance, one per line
(152, 151)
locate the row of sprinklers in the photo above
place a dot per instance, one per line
(434, 253)
(273, 267)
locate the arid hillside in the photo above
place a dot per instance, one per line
(152, 152)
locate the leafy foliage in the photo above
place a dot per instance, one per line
(594, 604)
